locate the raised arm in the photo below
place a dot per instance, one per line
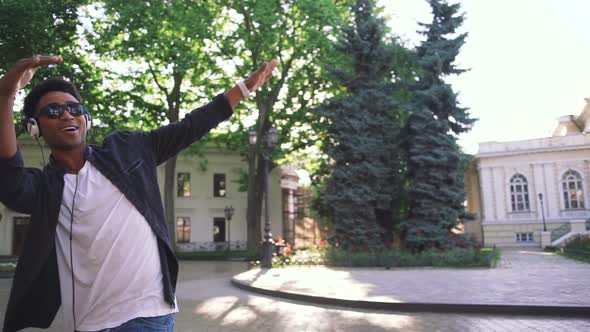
(253, 83)
(169, 140)
(16, 78)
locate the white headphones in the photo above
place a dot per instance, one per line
(32, 127)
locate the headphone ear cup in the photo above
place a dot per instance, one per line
(88, 122)
(32, 128)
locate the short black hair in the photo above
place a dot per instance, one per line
(43, 88)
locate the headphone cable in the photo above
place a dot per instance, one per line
(42, 153)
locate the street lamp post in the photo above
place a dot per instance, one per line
(542, 212)
(229, 212)
(268, 142)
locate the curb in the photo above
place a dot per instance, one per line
(462, 308)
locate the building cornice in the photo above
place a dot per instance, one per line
(534, 146)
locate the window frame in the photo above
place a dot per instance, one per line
(524, 237)
(519, 194)
(576, 194)
(186, 229)
(186, 183)
(223, 221)
(219, 188)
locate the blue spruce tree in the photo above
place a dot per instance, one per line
(436, 165)
(363, 134)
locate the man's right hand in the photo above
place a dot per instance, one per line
(22, 72)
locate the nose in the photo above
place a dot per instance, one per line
(66, 115)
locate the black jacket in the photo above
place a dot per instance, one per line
(128, 160)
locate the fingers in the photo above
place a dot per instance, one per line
(262, 75)
(48, 60)
(273, 64)
(268, 68)
(22, 72)
(37, 61)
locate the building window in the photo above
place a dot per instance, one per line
(183, 230)
(218, 229)
(524, 237)
(519, 193)
(184, 184)
(219, 185)
(573, 194)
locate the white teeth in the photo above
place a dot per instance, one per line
(69, 129)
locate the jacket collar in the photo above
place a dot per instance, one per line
(56, 166)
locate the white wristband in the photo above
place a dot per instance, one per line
(244, 89)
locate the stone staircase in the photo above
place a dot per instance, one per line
(564, 233)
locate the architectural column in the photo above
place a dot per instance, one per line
(539, 188)
(586, 176)
(500, 189)
(289, 184)
(552, 187)
(487, 194)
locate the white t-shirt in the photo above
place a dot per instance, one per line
(117, 271)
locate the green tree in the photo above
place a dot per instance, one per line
(297, 34)
(363, 134)
(158, 65)
(435, 162)
(36, 27)
(29, 28)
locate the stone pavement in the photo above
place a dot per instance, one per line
(208, 302)
(525, 282)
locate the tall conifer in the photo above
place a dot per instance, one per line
(435, 161)
(362, 134)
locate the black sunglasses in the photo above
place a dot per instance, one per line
(55, 111)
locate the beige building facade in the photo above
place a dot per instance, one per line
(520, 188)
(202, 190)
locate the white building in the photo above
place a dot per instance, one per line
(514, 186)
(203, 191)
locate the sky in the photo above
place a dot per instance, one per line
(528, 61)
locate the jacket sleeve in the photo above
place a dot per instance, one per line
(18, 184)
(169, 140)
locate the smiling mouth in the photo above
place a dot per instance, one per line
(69, 129)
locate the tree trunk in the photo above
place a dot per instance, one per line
(173, 101)
(256, 183)
(170, 170)
(254, 204)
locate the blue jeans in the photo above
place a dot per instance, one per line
(146, 324)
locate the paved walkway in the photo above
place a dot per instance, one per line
(525, 279)
(209, 303)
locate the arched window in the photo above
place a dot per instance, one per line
(573, 194)
(519, 193)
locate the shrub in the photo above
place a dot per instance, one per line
(7, 263)
(456, 257)
(215, 255)
(578, 248)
